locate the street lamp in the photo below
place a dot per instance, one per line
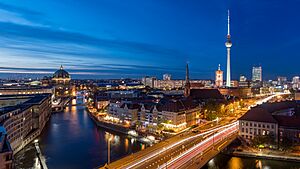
(108, 149)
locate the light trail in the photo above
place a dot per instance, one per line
(269, 98)
(178, 143)
(211, 138)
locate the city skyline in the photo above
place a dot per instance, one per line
(114, 84)
(35, 39)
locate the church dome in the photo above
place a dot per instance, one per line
(61, 73)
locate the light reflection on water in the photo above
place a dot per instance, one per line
(235, 162)
(226, 162)
(71, 140)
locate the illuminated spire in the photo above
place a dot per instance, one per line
(228, 20)
(219, 67)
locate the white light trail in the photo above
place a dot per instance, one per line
(177, 143)
(198, 145)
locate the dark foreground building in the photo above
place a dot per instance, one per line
(279, 120)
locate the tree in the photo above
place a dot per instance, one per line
(212, 110)
(260, 140)
(285, 144)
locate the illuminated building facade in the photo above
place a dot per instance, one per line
(173, 114)
(166, 77)
(296, 82)
(243, 78)
(61, 80)
(219, 77)
(278, 120)
(149, 81)
(25, 90)
(257, 74)
(281, 80)
(25, 121)
(6, 153)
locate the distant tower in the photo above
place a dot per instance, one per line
(187, 87)
(219, 77)
(228, 45)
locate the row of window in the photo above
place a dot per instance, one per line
(258, 125)
(255, 131)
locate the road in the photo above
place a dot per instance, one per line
(182, 148)
(201, 147)
(162, 153)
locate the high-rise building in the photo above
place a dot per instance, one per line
(187, 87)
(219, 77)
(296, 82)
(257, 74)
(148, 81)
(228, 45)
(281, 80)
(166, 77)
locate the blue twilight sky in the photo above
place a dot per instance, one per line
(134, 38)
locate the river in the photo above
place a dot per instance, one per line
(222, 161)
(71, 140)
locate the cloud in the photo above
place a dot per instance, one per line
(56, 44)
(27, 45)
(12, 14)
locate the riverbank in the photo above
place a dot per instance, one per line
(74, 131)
(269, 154)
(107, 125)
(120, 129)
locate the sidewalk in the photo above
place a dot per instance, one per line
(268, 154)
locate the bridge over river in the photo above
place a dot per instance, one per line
(187, 150)
(192, 150)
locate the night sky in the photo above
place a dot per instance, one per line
(134, 38)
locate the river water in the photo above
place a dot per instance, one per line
(71, 140)
(222, 161)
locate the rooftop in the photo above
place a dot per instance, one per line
(61, 73)
(206, 94)
(258, 114)
(33, 99)
(266, 113)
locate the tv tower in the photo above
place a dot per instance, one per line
(228, 45)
